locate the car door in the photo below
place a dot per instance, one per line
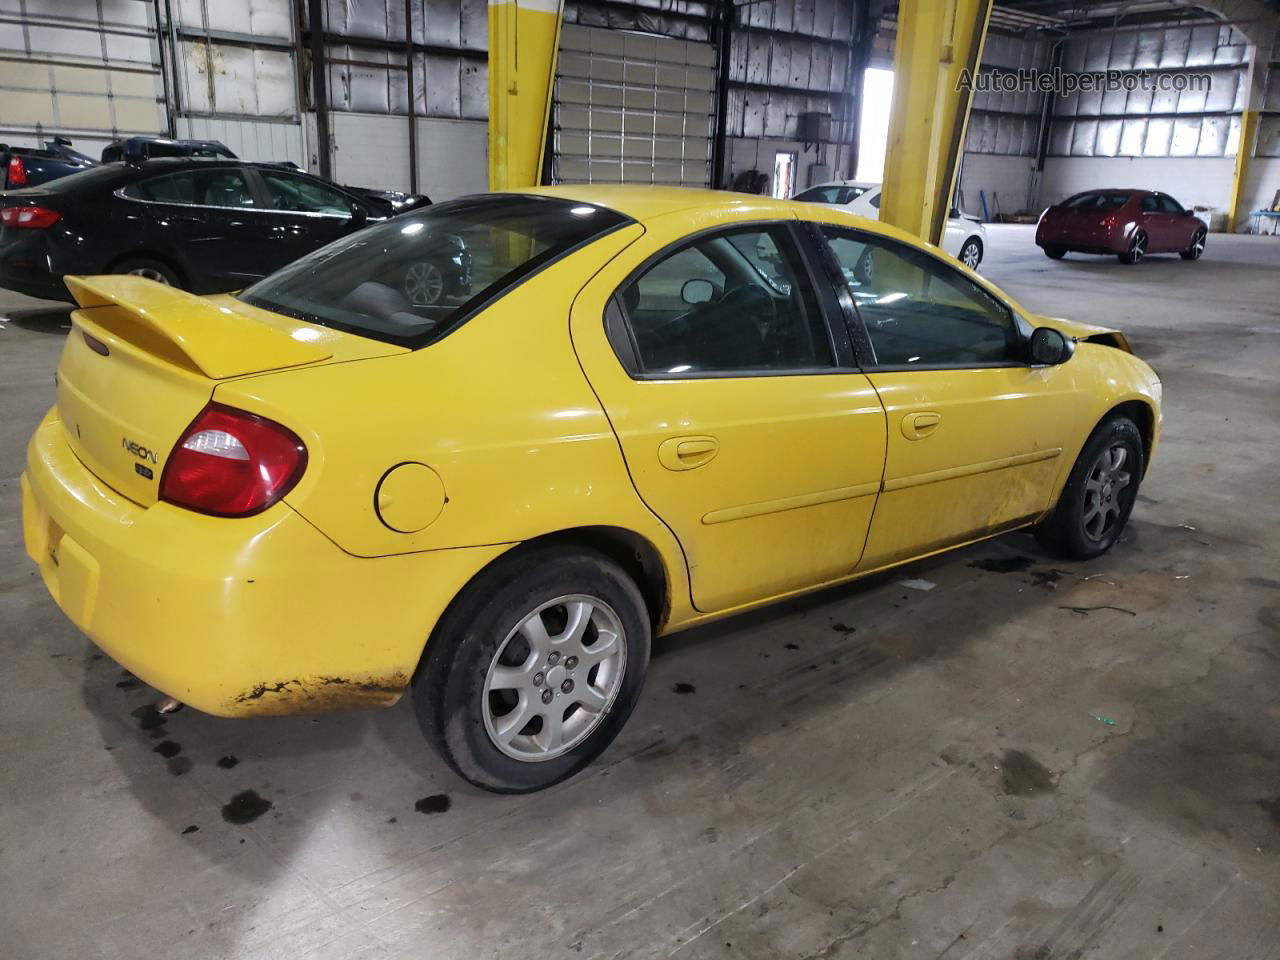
(204, 220)
(1182, 224)
(976, 435)
(1161, 233)
(302, 214)
(744, 422)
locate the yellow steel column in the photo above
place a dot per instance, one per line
(1255, 93)
(524, 37)
(938, 42)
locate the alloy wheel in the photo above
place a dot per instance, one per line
(1103, 489)
(150, 273)
(1197, 245)
(970, 256)
(424, 284)
(554, 678)
(1138, 248)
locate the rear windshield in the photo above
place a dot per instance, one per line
(1097, 200)
(412, 279)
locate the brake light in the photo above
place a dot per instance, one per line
(230, 463)
(17, 172)
(29, 218)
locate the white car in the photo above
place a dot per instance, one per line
(965, 237)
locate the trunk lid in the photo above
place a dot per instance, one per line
(142, 359)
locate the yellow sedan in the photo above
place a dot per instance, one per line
(649, 408)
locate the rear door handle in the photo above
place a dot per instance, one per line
(685, 453)
(917, 426)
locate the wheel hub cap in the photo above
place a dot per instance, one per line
(554, 678)
(1107, 478)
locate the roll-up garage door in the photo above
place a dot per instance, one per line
(632, 108)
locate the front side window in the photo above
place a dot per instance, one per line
(1170, 205)
(217, 187)
(300, 195)
(411, 280)
(737, 301)
(918, 311)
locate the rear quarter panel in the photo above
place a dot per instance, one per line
(499, 409)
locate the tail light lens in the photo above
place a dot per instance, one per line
(29, 218)
(17, 172)
(230, 463)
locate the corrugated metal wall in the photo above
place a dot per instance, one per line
(788, 59)
(1162, 123)
(1007, 123)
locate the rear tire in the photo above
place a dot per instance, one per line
(1054, 253)
(150, 269)
(1099, 494)
(509, 693)
(1196, 250)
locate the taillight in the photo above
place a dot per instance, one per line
(17, 172)
(230, 463)
(30, 218)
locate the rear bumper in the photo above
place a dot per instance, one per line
(262, 615)
(1092, 241)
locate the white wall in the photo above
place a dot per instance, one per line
(1260, 186)
(756, 153)
(1002, 178)
(372, 150)
(258, 140)
(1192, 181)
(453, 158)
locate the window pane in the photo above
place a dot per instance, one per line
(918, 311)
(412, 279)
(303, 196)
(1150, 204)
(1170, 205)
(206, 188)
(736, 301)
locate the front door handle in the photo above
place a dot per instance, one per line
(917, 426)
(685, 453)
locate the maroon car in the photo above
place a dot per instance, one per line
(1127, 223)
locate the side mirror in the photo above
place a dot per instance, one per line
(359, 215)
(1049, 347)
(697, 291)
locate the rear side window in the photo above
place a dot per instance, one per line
(1097, 200)
(412, 279)
(1150, 204)
(218, 187)
(300, 195)
(738, 301)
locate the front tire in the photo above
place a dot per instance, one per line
(1099, 494)
(971, 253)
(534, 669)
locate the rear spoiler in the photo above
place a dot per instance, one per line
(220, 341)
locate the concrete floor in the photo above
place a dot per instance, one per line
(1054, 762)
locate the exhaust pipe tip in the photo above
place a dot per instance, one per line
(169, 705)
